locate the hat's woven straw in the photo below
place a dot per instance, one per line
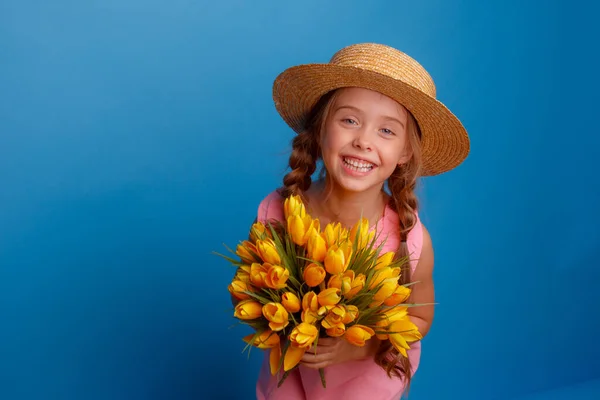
(388, 71)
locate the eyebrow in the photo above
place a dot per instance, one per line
(387, 117)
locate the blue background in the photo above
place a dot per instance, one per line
(136, 137)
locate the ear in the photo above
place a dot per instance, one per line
(405, 157)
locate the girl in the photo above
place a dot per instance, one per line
(371, 118)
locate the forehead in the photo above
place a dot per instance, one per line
(368, 101)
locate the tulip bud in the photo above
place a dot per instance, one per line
(329, 297)
(316, 246)
(237, 289)
(277, 277)
(357, 285)
(248, 309)
(358, 334)
(384, 260)
(335, 261)
(265, 340)
(351, 314)
(400, 295)
(268, 252)
(310, 302)
(277, 315)
(291, 302)
(247, 252)
(314, 275)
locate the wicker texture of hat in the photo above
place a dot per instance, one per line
(386, 70)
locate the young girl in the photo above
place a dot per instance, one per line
(371, 118)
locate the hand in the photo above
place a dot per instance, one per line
(332, 351)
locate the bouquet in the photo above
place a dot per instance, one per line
(296, 283)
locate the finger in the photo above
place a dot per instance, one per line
(317, 365)
(311, 358)
(328, 342)
(320, 350)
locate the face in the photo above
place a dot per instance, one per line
(364, 139)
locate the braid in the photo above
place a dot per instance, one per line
(402, 184)
(303, 163)
(306, 150)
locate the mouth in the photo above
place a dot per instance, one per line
(358, 165)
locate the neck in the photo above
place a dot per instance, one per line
(334, 204)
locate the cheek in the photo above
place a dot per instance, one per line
(331, 143)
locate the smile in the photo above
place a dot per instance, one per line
(357, 165)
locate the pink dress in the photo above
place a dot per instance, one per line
(353, 380)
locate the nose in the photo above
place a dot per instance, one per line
(361, 140)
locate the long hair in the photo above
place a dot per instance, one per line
(401, 184)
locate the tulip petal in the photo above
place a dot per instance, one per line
(293, 355)
(275, 358)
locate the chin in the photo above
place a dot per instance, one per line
(354, 185)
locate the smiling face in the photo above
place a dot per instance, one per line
(364, 138)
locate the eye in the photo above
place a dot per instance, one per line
(387, 131)
(349, 121)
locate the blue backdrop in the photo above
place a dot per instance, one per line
(136, 137)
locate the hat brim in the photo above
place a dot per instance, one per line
(445, 143)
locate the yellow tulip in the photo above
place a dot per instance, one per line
(334, 234)
(400, 295)
(335, 261)
(323, 310)
(258, 274)
(301, 338)
(292, 357)
(381, 326)
(275, 358)
(358, 334)
(247, 252)
(401, 332)
(383, 274)
(265, 340)
(268, 252)
(351, 314)
(336, 331)
(316, 248)
(243, 273)
(313, 275)
(291, 302)
(360, 234)
(310, 302)
(395, 314)
(329, 297)
(237, 289)
(385, 260)
(334, 317)
(293, 205)
(309, 316)
(300, 228)
(357, 285)
(277, 277)
(277, 316)
(248, 309)
(303, 335)
(259, 231)
(342, 282)
(386, 290)
(387, 317)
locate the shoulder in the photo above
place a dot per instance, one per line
(418, 239)
(270, 207)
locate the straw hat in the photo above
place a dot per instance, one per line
(388, 71)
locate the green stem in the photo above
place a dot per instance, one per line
(322, 374)
(285, 375)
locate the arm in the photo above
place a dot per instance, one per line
(423, 291)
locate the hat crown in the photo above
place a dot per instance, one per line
(387, 61)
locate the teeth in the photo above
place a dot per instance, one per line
(358, 165)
